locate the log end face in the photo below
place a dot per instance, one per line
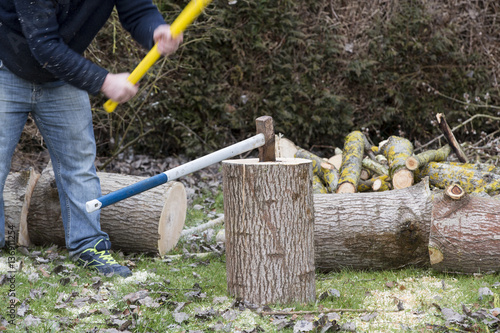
(173, 217)
(455, 192)
(435, 255)
(411, 163)
(402, 179)
(346, 188)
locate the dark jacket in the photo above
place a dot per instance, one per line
(43, 40)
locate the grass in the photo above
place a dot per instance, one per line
(189, 294)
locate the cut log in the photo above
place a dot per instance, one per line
(318, 186)
(471, 180)
(336, 160)
(379, 183)
(364, 185)
(352, 157)
(375, 166)
(285, 148)
(465, 233)
(452, 141)
(368, 148)
(269, 220)
(376, 231)
(365, 174)
(329, 176)
(151, 221)
(397, 150)
(418, 161)
(484, 167)
(382, 183)
(17, 194)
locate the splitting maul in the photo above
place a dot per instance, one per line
(264, 140)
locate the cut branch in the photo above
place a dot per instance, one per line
(329, 176)
(203, 227)
(375, 166)
(352, 157)
(452, 141)
(397, 150)
(470, 179)
(418, 161)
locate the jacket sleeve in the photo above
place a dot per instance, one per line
(41, 30)
(140, 18)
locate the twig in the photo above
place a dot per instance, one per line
(479, 115)
(202, 227)
(448, 134)
(285, 313)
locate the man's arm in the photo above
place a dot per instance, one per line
(41, 30)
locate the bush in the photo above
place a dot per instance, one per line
(291, 60)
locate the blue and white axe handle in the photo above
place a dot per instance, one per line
(177, 172)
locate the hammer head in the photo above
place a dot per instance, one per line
(267, 151)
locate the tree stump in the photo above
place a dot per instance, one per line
(17, 196)
(269, 219)
(375, 231)
(151, 221)
(464, 233)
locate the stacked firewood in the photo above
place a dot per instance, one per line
(362, 167)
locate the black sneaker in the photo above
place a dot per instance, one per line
(99, 258)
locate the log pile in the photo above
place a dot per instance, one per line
(361, 167)
(375, 208)
(407, 213)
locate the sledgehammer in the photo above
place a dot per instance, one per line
(185, 18)
(264, 140)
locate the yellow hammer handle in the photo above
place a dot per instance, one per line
(185, 18)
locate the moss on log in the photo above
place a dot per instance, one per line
(418, 161)
(471, 180)
(375, 166)
(318, 186)
(329, 176)
(484, 167)
(352, 158)
(397, 150)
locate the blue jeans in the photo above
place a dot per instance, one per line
(62, 114)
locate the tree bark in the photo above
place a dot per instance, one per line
(269, 221)
(352, 157)
(17, 196)
(381, 230)
(418, 161)
(375, 166)
(151, 221)
(465, 233)
(469, 178)
(329, 175)
(397, 150)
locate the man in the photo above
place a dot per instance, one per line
(43, 72)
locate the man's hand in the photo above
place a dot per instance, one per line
(118, 88)
(166, 43)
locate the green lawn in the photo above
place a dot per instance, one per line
(183, 293)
